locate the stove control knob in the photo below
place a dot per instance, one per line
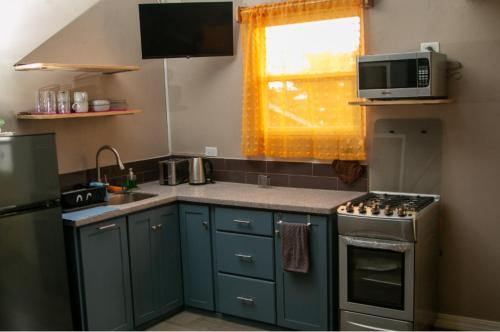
(348, 207)
(388, 211)
(375, 209)
(362, 208)
(401, 212)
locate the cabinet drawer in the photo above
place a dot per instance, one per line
(247, 255)
(247, 298)
(244, 221)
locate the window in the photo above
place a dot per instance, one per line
(298, 79)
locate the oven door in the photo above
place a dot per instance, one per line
(376, 277)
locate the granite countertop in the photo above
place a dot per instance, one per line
(231, 194)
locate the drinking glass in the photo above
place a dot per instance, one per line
(47, 101)
(63, 101)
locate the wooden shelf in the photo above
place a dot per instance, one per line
(105, 69)
(367, 102)
(76, 115)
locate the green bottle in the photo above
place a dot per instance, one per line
(131, 179)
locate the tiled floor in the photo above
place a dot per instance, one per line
(189, 321)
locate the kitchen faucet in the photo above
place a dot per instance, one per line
(115, 152)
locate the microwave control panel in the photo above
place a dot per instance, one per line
(423, 72)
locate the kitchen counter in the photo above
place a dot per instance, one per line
(232, 194)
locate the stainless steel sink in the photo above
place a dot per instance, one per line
(119, 199)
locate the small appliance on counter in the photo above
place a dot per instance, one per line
(174, 171)
(201, 171)
(83, 197)
(402, 75)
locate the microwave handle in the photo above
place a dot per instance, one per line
(377, 244)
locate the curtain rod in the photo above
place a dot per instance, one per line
(366, 4)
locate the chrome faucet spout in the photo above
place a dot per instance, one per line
(117, 156)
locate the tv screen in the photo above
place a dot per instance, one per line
(177, 30)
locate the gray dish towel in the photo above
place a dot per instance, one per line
(295, 247)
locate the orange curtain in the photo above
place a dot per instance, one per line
(299, 69)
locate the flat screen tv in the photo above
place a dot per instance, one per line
(178, 30)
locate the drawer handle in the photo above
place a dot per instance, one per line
(242, 222)
(106, 227)
(245, 299)
(157, 226)
(205, 224)
(244, 257)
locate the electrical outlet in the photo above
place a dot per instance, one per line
(211, 151)
(426, 45)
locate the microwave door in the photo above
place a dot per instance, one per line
(386, 77)
(374, 75)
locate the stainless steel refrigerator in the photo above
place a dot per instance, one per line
(34, 291)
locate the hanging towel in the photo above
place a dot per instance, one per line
(295, 247)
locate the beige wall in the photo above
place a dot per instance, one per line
(108, 33)
(205, 102)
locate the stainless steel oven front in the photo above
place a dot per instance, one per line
(376, 277)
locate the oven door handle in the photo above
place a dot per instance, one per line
(377, 244)
(367, 327)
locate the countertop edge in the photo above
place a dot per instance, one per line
(157, 201)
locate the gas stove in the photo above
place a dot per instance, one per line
(387, 205)
(387, 215)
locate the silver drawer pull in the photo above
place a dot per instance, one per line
(153, 227)
(106, 227)
(245, 299)
(244, 257)
(242, 222)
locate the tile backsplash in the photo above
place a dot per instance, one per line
(281, 173)
(285, 174)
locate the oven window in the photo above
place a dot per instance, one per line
(376, 277)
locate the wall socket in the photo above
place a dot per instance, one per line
(211, 151)
(434, 45)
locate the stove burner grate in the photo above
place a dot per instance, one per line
(409, 203)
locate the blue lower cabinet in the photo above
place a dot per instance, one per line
(248, 255)
(247, 298)
(155, 263)
(197, 256)
(105, 276)
(302, 299)
(246, 221)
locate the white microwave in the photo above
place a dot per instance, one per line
(402, 75)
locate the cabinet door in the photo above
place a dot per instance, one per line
(155, 262)
(106, 276)
(142, 265)
(197, 256)
(166, 240)
(302, 299)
